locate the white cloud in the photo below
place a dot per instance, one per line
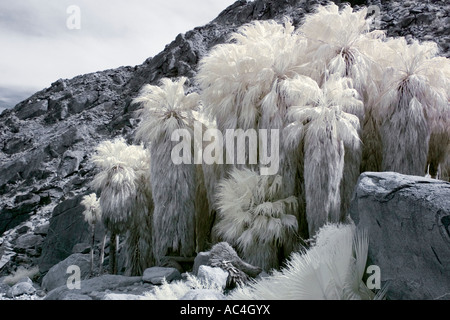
(38, 48)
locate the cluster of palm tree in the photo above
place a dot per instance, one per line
(125, 205)
(344, 100)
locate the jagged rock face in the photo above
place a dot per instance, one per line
(46, 141)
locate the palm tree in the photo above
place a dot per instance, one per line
(178, 205)
(413, 106)
(256, 219)
(92, 215)
(138, 240)
(340, 43)
(329, 137)
(124, 199)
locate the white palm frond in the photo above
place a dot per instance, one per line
(123, 179)
(323, 272)
(178, 289)
(165, 108)
(236, 77)
(340, 42)
(253, 216)
(413, 104)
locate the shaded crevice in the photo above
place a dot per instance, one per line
(446, 223)
(435, 254)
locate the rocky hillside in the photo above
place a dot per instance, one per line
(46, 140)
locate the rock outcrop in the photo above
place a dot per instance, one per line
(408, 223)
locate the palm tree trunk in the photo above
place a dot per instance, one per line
(92, 249)
(113, 253)
(102, 254)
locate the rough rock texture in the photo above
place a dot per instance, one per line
(24, 286)
(97, 288)
(57, 275)
(408, 223)
(67, 220)
(156, 275)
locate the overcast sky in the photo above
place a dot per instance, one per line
(38, 42)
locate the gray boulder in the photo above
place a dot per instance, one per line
(202, 258)
(28, 241)
(23, 286)
(223, 256)
(121, 296)
(81, 248)
(42, 229)
(407, 219)
(155, 275)
(57, 275)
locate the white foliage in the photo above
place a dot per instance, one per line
(177, 289)
(326, 133)
(236, 78)
(165, 108)
(254, 218)
(339, 43)
(174, 187)
(120, 165)
(414, 103)
(250, 83)
(92, 213)
(117, 152)
(125, 199)
(332, 269)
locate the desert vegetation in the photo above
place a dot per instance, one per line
(344, 98)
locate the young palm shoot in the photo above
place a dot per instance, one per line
(256, 219)
(92, 215)
(168, 112)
